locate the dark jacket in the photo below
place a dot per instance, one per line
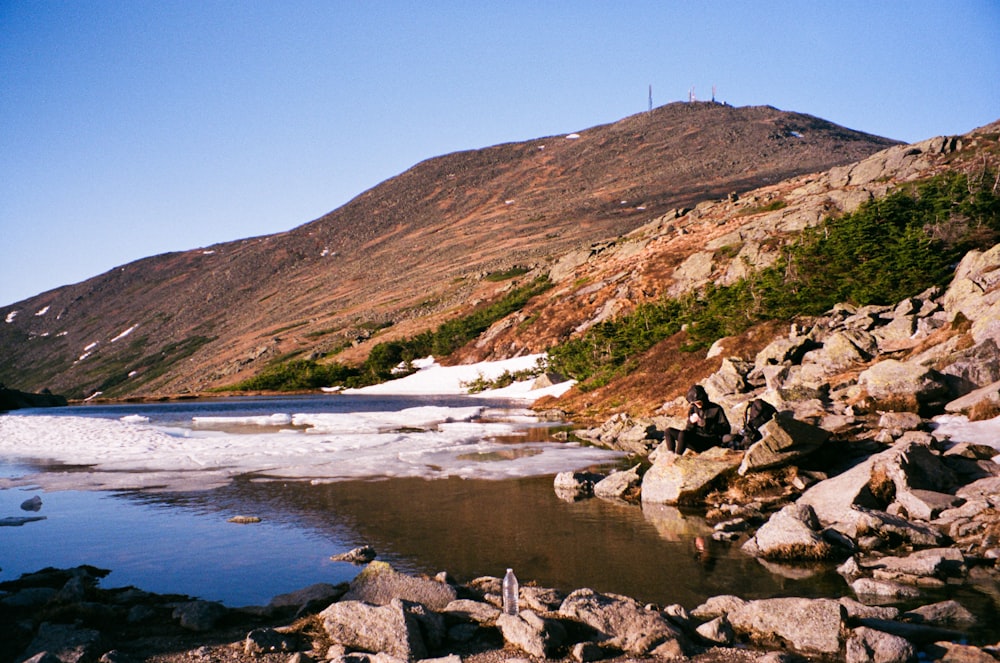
(713, 419)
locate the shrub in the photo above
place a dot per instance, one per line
(887, 250)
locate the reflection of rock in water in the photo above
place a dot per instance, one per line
(672, 524)
(792, 571)
(34, 504)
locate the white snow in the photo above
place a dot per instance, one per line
(572, 136)
(959, 429)
(11, 316)
(426, 441)
(90, 347)
(432, 378)
(42, 311)
(124, 333)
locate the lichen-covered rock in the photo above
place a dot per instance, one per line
(790, 534)
(622, 620)
(807, 625)
(784, 440)
(380, 584)
(898, 385)
(686, 479)
(392, 629)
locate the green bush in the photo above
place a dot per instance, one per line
(385, 358)
(887, 250)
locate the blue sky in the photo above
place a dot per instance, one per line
(132, 128)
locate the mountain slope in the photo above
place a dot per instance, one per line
(409, 252)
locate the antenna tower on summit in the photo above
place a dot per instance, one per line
(650, 97)
(713, 94)
(691, 97)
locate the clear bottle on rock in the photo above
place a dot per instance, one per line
(510, 592)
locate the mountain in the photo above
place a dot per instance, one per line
(410, 253)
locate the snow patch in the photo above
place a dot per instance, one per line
(124, 333)
(11, 316)
(42, 311)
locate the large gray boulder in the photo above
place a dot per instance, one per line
(394, 629)
(972, 368)
(784, 441)
(618, 485)
(622, 622)
(987, 397)
(790, 534)
(380, 584)
(975, 292)
(897, 385)
(868, 645)
(841, 350)
(809, 626)
(687, 478)
(836, 496)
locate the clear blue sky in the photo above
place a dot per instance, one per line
(130, 128)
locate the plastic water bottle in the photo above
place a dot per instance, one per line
(510, 591)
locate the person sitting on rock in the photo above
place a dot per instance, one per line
(706, 424)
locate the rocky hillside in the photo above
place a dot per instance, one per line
(423, 247)
(717, 242)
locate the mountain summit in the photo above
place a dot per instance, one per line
(403, 256)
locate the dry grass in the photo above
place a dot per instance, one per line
(801, 552)
(881, 485)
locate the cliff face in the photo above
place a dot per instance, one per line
(416, 249)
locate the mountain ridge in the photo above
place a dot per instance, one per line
(409, 252)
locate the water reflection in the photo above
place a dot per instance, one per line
(471, 528)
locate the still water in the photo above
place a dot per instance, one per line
(180, 541)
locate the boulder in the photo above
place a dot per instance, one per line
(789, 534)
(472, 611)
(943, 613)
(889, 529)
(897, 334)
(924, 504)
(883, 589)
(393, 629)
(199, 616)
(782, 350)
(618, 485)
(717, 606)
(841, 350)
(67, 643)
(929, 562)
(897, 385)
(717, 631)
(987, 397)
(973, 292)
(572, 486)
(624, 433)
(686, 479)
(531, 633)
(868, 645)
(380, 584)
(972, 368)
(784, 440)
(360, 555)
(621, 620)
(809, 626)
